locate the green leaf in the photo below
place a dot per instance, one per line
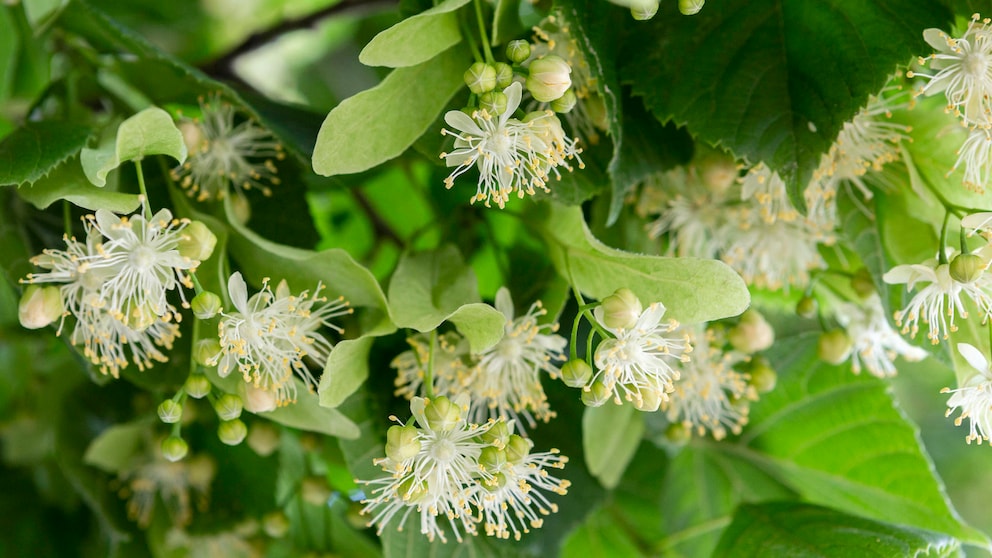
(610, 437)
(506, 21)
(416, 39)
(600, 536)
(31, 152)
(774, 80)
(347, 367)
(113, 449)
(380, 123)
(307, 414)
(150, 132)
(794, 529)
(67, 182)
(481, 324)
(693, 290)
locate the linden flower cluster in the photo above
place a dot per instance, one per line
(875, 345)
(441, 465)
(115, 285)
(974, 396)
(268, 335)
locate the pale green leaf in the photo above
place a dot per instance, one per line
(307, 414)
(150, 132)
(113, 449)
(67, 182)
(31, 152)
(416, 39)
(693, 290)
(480, 323)
(347, 367)
(381, 123)
(610, 436)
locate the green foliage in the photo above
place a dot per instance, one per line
(610, 436)
(150, 132)
(416, 39)
(30, 153)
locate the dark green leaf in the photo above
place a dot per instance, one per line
(31, 152)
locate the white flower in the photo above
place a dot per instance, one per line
(772, 255)
(636, 362)
(875, 343)
(173, 483)
(694, 216)
(939, 302)
(768, 189)
(270, 333)
(106, 341)
(974, 398)
(710, 395)
(964, 71)
(506, 382)
(222, 152)
(451, 368)
(976, 155)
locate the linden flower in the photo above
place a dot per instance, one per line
(636, 362)
(964, 71)
(768, 189)
(694, 217)
(268, 336)
(974, 398)
(976, 155)
(507, 380)
(106, 341)
(771, 255)
(222, 152)
(450, 369)
(710, 395)
(939, 302)
(174, 483)
(875, 343)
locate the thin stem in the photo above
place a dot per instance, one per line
(964, 240)
(472, 45)
(67, 218)
(146, 209)
(572, 352)
(942, 254)
(482, 32)
(197, 287)
(193, 365)
(429, 372)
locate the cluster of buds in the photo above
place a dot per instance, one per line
(231, 430)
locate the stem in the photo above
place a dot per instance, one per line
(67, 218)
(146, 210)
(482, 32)
(197, 287)
(472, 45)
(193, 365)
(429, 372)
(572, 353)
(942, 254)
(964, 240)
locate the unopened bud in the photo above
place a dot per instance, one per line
(649, 400)
(263, 438)
(752, 333)
(258, 400)
(576, 373)
(141, 317)
(315, 491)
(806, 307)
(678, 433)
(691, 7)
(197, 386)
(504, 75)
(170, 412)
(492, 459)
(197, 242)
(411, 490)
(565, 103)
(644, 10)
(762, 376)
(192, 136)
(240, 208)
(493, 102)
(967, 268)
(40, 306)
(442, 414)
(206, 351)
(174, 448)
(232, 432)
(621, 309)
(497, 481)
(596, 394)
(206, 305)
(834, 346)
(480, 77)
(275, 524)
(497, 435)
(718, 172)
(228, 406)
(548, 78)
(517, 51)
(402, 442)
(862, 283)
(517, 449)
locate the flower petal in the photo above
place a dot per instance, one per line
(238, 291)
(974, 357)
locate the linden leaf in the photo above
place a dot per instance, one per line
(113, 449)
(31, 152)
(347, 368)
(150, 132)
(610, 436)
(416, 39)
(67, 182)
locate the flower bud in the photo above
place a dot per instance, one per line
(192, 136)
(40, 306)
(834, 346)
(442, 414)
(402, 442)
(549, 78)
(197, 386)
(257, 400)
(240, 208)
(752, 333)
(232, 432)
(565, 103)
(678, 433)
(170, 412)
(517, 51)
(596, 394)
(275, 524)
(480, 77)
(141, 317)
(967, 268)
(497, 435)
(206, 305)
(806, 307)
(517, 449)
(644, 10)
(576, 373)
(206, 351)
(315, 491)
(504, 75)
(762, 376)
(718, 172)
(621, 309)
(493, 102)
(649, 400)
(197, 242)
(263, 438)
(174, 448)
(862, 283)
(497, 481)
(411, 491)
(228, 406)
(691, 7)
(492, 459)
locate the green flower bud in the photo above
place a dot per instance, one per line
(275, 524)
(649, 402)
(596, 394)
(263, 438)
(678, 433)
(228, 406)
(206, 352)
(621, 309)
(402, 442)
(806, 307)
(240, 208)
(232, 432)
(141, 317)
(497, 436)
(549, 78)
(762, 376)
(504, 75)
(498, 481)
(492, 459)
(40, 306)
(834, 346)
(206, 305)
(493, 102)
(862, 283)
(315, 491)
(645, 10)
(258, 400)
(174, 448)
(412, 491)
(480, 77)
(517, 51)
(967, 268)
(576, 373)
(442, 414)
(170, 412)
(717, 171)
(197, 242)
(752, 333)
(564, 103)
(517, 449)
(197, 386)
(691, 7)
